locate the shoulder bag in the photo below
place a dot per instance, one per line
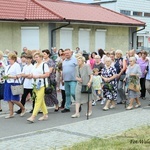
(84, 88)
(17, 89)
(49, 89)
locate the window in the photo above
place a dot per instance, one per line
(66, 38)
(30, 37)
(146, 14)
(84, 39)
(135, 13)
(125, 12)
(140, 41)
(100, 36)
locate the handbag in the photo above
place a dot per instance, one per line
(86, 89)
(134, 87)
(49, 89)
(17, 89)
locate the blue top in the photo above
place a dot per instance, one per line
(118, 64)
(69, 69)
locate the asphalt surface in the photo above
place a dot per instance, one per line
(61, 130)
(19, 125)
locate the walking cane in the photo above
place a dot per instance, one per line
(88, 105)
(124, 86)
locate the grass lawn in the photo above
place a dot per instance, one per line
(133, 139)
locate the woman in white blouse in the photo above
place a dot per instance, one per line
(39, 72)
(13, 70)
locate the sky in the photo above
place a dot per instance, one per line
(82, 1)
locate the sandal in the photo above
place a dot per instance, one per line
(45, 117)
(9, 116)
(129, 108)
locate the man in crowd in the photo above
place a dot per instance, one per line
(69, 67)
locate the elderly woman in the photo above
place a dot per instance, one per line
(39, 72)
(133, 70)
(12, 71)
(143, 63)
(120, 65)
(110, 84)
(83, 77)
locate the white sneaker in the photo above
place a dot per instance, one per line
(94, 103)
(103, 101)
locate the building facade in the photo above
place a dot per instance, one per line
(42, 24)
(139, 9)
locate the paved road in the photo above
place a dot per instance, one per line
(60, 129)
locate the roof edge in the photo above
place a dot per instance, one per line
(122, 15)
(72, 21)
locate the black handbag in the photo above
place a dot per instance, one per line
(49, 89)
(86, 89)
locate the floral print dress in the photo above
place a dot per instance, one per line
(51, 99)
(110, 94)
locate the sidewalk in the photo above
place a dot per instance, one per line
(66, 135)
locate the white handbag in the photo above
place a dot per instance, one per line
(17, 89)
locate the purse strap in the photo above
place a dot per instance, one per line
(44, 78)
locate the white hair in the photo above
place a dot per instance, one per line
(119, 51)
(132, 59)
(107, 59)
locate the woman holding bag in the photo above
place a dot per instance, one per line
(38, 80)
(133, 71)
(83, 77)
(51, 99)
(12, 71)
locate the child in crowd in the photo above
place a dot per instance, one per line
(97, 84)
(61, 87)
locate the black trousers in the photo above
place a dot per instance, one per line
(63, 98)
(143, 89)
(24, 96)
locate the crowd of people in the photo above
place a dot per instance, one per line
(108, 77)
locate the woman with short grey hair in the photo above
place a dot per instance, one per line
(133, 70)
(83, 77)
(109, 75)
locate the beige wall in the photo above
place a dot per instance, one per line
(116, 37)
(10, 35)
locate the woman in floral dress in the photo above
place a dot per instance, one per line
(109, 75)
(51, 99)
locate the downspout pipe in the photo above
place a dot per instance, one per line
(52, 32)
(134, 33)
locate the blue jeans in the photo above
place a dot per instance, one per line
(70, 87)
